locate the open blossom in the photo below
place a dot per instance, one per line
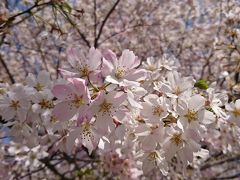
(234, 111)
(15, 104)
(85, 134)
(122, 71)
(176, 86)
(81, 65)
(40, 83)
(42, 102)
(192, 113)
(150, 136)
(108, 107)
(74, 98)
(181, 143)
(155, 108)
(134, 94)
(152, 160)
(152, 64)
(215, 101)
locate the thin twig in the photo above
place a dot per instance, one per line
(104, 22)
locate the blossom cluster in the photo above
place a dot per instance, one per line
(137, 116)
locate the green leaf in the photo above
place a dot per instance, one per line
(201, 84)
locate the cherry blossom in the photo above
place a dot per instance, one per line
(75, 99)
(122, 71)
(15, 104)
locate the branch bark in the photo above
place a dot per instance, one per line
(104, 22)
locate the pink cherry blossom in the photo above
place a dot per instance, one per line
(122, 71)
(74, 98)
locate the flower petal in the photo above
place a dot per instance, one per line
(64, 111)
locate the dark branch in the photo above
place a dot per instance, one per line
(7, 70)
(75, 26)
(9, 21)
(104, 22)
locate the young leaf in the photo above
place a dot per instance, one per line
(201, 84)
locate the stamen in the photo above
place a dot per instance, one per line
(152, 156)
(191, 116)
(177, 139)
(15, 104)
(157, 110)
(46, 104)
(105, 107)
(78, 101)
(39, 87)
(120, 73)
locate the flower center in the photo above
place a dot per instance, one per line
(191, 116)
(157, 110)
(177, 139)
(105, 107)
(86, 132)
(119, 73)
(15, 105)
(78, 101)
(45, 104)
(236, 112)
(53, 119)
(84, 71)
(152, 67)
(153, 156)
(177, 90)
(39, 87)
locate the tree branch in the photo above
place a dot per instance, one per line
(7, 70)
(104, 22)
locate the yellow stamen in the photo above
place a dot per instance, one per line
(45, 104)
(105, 106)
(39, 87)
(84, 71)
(119, 73)
(177, 138)
(177, 90)
(15, 105)
(157, 110)
(152, 156)
(78, 101)
(191, 116)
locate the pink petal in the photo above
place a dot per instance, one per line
(107, 68)
(79, 85)
(64, 111)
(136, 75)
(127, 59)
(117, 98)
(68, 74)
(196, 102)
(63, 92)
(109, 55)
(94, 58)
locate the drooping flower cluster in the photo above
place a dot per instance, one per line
(137, 117)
